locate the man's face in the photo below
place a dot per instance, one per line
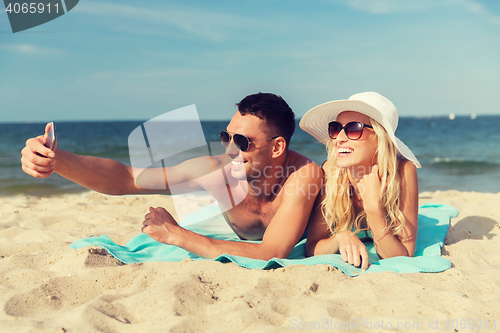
(249, 164)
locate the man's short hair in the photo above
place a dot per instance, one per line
(273, 109)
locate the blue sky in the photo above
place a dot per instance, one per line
(139, 59)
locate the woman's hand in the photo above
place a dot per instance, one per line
(371, 190)
(352, 250)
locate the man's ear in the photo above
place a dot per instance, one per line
(279, 146)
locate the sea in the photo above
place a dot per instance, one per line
(462, 153)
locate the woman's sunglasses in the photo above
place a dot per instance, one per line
(241, 141)
(352, 130)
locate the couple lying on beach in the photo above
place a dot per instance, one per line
(367, 187)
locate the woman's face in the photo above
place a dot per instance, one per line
(355, 153)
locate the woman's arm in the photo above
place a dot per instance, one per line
(386, 244)
(409, 206)
(352, 250)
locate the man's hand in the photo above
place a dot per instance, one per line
(34, 156)
(160, 225)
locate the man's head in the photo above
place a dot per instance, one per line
(279, 119)
(266, 123)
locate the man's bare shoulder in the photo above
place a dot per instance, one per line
(297, 159)
(302, 166)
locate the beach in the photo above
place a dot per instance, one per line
(151, 85)
(46, 286)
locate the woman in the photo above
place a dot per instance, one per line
(371, 185)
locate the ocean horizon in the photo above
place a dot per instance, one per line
(456, 154)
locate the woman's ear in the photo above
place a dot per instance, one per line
(279, 146)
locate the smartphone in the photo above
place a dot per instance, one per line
(51, 137)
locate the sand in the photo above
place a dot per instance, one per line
(46, 286)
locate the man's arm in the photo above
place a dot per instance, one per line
(109, 176)
(280, 237)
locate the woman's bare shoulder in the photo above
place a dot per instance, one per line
(405, 165)
(408, 173)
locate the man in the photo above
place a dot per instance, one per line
(277, 187)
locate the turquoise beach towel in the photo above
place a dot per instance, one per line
(433, 222)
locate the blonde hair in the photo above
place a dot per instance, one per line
(337, 206)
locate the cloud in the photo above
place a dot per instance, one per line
(148, 74)
(396, 6)
(393, 6)
(479, 9)
(143, 84)
(202, 23)
(29, 49)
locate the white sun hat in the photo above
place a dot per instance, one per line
(372, 104)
